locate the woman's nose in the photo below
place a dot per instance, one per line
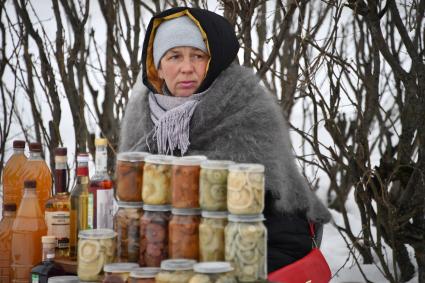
(187, 65)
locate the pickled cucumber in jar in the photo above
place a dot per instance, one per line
(157, 180)
(213, 272)
(175, 271)
(211, 235)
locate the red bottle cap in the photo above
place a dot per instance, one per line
(61, 151)
(18, 144)
(30, 184)
(35, 146)
(9, 207)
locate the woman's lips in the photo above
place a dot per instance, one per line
(187, 84)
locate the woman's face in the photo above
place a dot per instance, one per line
(183, 70)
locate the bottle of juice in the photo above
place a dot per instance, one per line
(12, 186)
(28, 228)
(9, 213)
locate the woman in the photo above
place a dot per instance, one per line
(198, 102)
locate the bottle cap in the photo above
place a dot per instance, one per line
(9, 207)
(61, 151)
(145, 272)
(30, 184)
(177, 264)
(48, 240)
(100, 141)
(18, 144)
(35, 146)
(213, 267)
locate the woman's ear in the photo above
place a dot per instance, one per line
(160, 74)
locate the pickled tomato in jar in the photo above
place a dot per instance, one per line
(184, 233)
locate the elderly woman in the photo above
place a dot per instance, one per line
(191, 99)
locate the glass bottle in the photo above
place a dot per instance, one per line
(28, 228)
(9, 214)
(79, 203)
(47, 268)
(57, 207)
(12, 172)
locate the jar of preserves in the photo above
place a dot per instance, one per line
(95, 249)
(184, 233)
(154, 235)
(129, 175)
(245, 189)
(157, 180)
(246, 246)
(175, 271)
(213, 184)
(127, 226)
(144, 275)
(213, 272)
(118, 272)
(211, 235)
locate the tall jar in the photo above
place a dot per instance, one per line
(245, 189)
(185, 181)
(246, 246)
(144, 275)
(211, 235)
(213, 184)
(118, 272)
(129, 175)
(157, 180)
(213, 272)
(184, 233)
(127, 227)
(175, 271)
(154, 235)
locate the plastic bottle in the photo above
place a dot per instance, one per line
(9, 214)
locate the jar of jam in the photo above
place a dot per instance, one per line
(211, 235)
(126, 224)
(118, 272)
(246, 246)
(184, 233)
(213, 184)
(175, 271)
(144, 275)
(245, 189)
(185, 181)
(157, 180)
(154, 235)
(213, 272)
(129, 175)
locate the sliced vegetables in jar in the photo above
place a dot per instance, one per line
(157, 180)
(175, 271)
(118, 272)
(211, 235)
(213, 272)
(144, 275)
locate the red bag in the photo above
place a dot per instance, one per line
(312, 268)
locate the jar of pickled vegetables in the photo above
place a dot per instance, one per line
(154, 235)
(213, 184)
(144, 275)
(95, 249)
(118, 272)
(245, 189)
(157, 180)
(185, 181)
(246, 246)
(129, 175)
(184, 233)
(127, 226)
(175, 271)
(211, 235)
(213, 272)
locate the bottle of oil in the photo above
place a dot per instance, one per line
(9, 214)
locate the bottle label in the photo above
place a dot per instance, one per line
(91, 209)
(101, 160)
(105, 206)
(34, 278)
(58, 226)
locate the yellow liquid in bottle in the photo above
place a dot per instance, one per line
(12, 181)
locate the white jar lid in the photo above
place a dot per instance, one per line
(213, 267)
(216, 164)
(130, 204)
(177, 264)
(154, 207)
(145, 272)
(120, 267)
(186, 211)
(214, 214)
(97, 234)
(63, 279)
(246, 218)
(132, 156)
(247, 167)
(190, 160)
(160, 159)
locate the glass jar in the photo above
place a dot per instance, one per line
(245, 189)
(211, 235)
(129, 175)
(213, 272)
(144, 275)
(63, 279)
(154, 235)
(184, 233)
(126, 224)
(246, 246)
(185, 181)
(95, 249)
(118, 272)
(175, 271)
(213, 184)
(157, 180)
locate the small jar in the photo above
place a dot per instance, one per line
(63, 279)
(245, 189)
(157, 180)
(175, 271)
(185, 181)
(95, 249)
(213, 272)
(126, 224)
(118, 272)
(129, 175)
(144, 275)
(184, 233)
(246, 246)
(49, 245)
(154, 235)
(211, 235)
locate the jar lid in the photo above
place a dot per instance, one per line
(132, 156)
(160, 159)
(120, 267)
(48, 239)
(152, 207)
(97, 234)
(186, 211)
(18, 144)
(213, 267)
(247, 167)
(145, 272)
(216, 164)
(177, 264)
(214, 214)
(246, 218)
(63, 279)
(190, 160)
(130, 204)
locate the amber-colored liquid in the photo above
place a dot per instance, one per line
(5, 246)
(12, 181)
